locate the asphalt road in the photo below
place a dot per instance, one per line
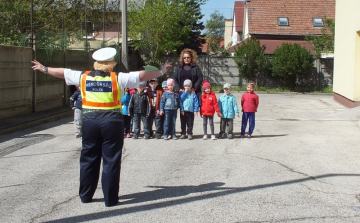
(302, 165)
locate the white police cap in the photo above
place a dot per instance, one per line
(104, 54)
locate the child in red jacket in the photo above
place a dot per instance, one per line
(208, 108)
(249, 104)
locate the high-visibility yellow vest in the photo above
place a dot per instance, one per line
(100, 91)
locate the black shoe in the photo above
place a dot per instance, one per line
(85, 200)
(111, 204)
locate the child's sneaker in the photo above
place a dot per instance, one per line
(242, 136)
(128, 135)
(205, 137)
(213, 137)
(182, 137)
(146, 137)
(230, 136)
(135, 137)
(249, 136)
(167, 137)
(190, 137)
(174, 137)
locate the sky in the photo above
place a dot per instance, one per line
(225, 7)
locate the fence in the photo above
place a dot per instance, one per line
(23, 91)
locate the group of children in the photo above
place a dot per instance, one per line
(151, 104)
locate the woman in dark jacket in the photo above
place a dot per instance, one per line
(188, 69)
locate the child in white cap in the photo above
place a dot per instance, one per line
(228, 108)
(191, 108)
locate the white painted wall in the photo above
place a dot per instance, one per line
(347, 49)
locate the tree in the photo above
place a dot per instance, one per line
(47, 15)
(290, 63)
(323, 43)
(194, 40)
(252, 62)
(215, 29)
(156, 29)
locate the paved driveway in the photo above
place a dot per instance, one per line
(302, 165)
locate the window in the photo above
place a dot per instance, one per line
(283, 21)
(318, 22)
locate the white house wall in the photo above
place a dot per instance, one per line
(347, 50)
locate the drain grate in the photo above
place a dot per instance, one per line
(22, 142)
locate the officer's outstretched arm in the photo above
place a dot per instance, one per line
(56, 72)
(145, 75)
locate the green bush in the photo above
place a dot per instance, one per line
(253, 64)
(292, 64)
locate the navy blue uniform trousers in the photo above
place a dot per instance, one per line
(102, 137)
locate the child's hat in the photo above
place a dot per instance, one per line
(132, 91)
(227, 85)
(170, 81)
(206, 84)
(142, 83)
(164, 84)
(152, 80)
(148, 67)
(188, 82)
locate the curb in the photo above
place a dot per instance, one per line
(35, 122)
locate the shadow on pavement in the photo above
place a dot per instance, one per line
(171, 192)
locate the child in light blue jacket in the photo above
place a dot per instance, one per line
(191, 108)
(228, 108)
(125, 105)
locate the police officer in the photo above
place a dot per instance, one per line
(103, 128)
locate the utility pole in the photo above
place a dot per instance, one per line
(103, 42)
(63, 49)
(86, 42)
(118, 22)
(124, 45)
(33, 97)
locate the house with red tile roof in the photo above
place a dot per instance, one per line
(238, 22)
(274, 22)
(206, 47)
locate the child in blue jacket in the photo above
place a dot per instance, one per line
(191, 108)
(125, 105)
(228, 108)
(169, 104)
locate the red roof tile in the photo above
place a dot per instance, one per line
(272, 44)
(263, 15)
(206, 45)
